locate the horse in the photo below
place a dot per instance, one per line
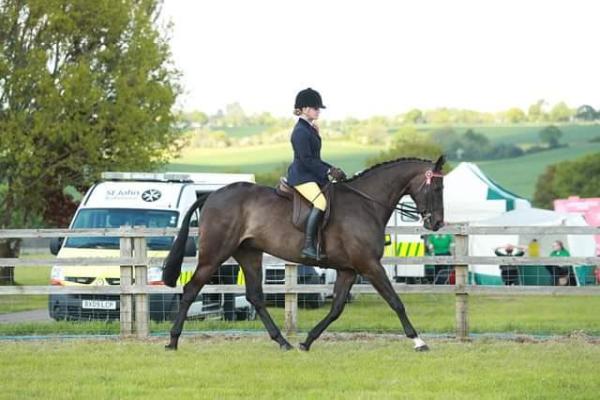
(242, 220)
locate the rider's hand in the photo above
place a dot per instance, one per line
(337, 174)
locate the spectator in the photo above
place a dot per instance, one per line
(510, 273)
(561, 275)
(441, 245)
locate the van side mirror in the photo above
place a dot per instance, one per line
(190, 247)
(55, 245)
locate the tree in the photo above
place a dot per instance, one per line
(536, 111)
(580, 177)
(550, 135)
(586, 113)
(561, 112)
(84, 87)
(408, 142)
(234, 115)
(414, 116)
(515, 115)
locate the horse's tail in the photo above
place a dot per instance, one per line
(172, 265)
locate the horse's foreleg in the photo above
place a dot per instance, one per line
(378, 278)
(251, 263)
(343, 283)
(190, 292)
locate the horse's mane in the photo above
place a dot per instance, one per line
(385, 163)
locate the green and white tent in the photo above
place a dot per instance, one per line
(470, 195)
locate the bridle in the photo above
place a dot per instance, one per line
(407, 210)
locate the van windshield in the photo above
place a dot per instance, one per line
(115, 218)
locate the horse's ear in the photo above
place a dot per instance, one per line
(439, 163)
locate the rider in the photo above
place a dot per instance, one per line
(308, 173)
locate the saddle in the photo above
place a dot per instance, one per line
(301, 207)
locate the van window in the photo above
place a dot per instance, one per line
(115, 218)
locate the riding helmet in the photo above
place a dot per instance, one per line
(309, 98)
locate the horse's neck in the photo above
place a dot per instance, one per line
(388, 184)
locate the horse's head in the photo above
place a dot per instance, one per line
(427, 190)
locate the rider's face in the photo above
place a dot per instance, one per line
(311, 113)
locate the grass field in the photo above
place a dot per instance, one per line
(338, 368)
(27, 276)
(265, 158)
(518, 175)
(430, 314)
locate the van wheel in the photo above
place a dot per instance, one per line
(246, 314)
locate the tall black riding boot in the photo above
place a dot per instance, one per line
(310, 238)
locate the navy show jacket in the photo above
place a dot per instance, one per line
(307, 165)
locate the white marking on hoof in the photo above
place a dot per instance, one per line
(419, 342)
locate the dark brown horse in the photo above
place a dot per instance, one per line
(244, 220)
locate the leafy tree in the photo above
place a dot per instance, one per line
(408, 142)
(536, 111)
(550, 135)
(84, 87)
(579, 177)
(586, 113)
(561, 112)
(234, 115)
(414, 116)
(515, 115)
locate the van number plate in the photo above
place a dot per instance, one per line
(99, 305)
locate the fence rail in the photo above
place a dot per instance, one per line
(134, 263)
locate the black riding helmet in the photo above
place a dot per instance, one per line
(308, 98)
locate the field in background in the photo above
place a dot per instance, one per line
(518, 175)
(265, 158)
(335, 368)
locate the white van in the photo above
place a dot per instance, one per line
(153, 200)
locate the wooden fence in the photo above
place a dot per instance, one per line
(134, 262)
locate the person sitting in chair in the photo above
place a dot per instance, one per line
(308, 173)
(561, 275)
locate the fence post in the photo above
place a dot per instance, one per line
(140, 251)
(462, 297)
(291, 299)
(126, 306)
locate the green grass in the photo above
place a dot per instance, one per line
(243, 131)
(27, 276)
(223, 368)
(519, 175)
(525, 133)
(265, 158)
(430, 314)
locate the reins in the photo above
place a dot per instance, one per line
(405, 209)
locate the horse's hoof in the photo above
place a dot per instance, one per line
(422, 348)
(303, 347)
(286, 346)
(170, 348)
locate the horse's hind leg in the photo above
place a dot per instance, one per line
(343, 283)
(378, 278)
(251, 263)
(191, 289)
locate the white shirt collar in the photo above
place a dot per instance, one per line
(306, 119)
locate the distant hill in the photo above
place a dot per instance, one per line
(519, 175)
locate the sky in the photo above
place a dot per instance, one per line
(381, 57)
